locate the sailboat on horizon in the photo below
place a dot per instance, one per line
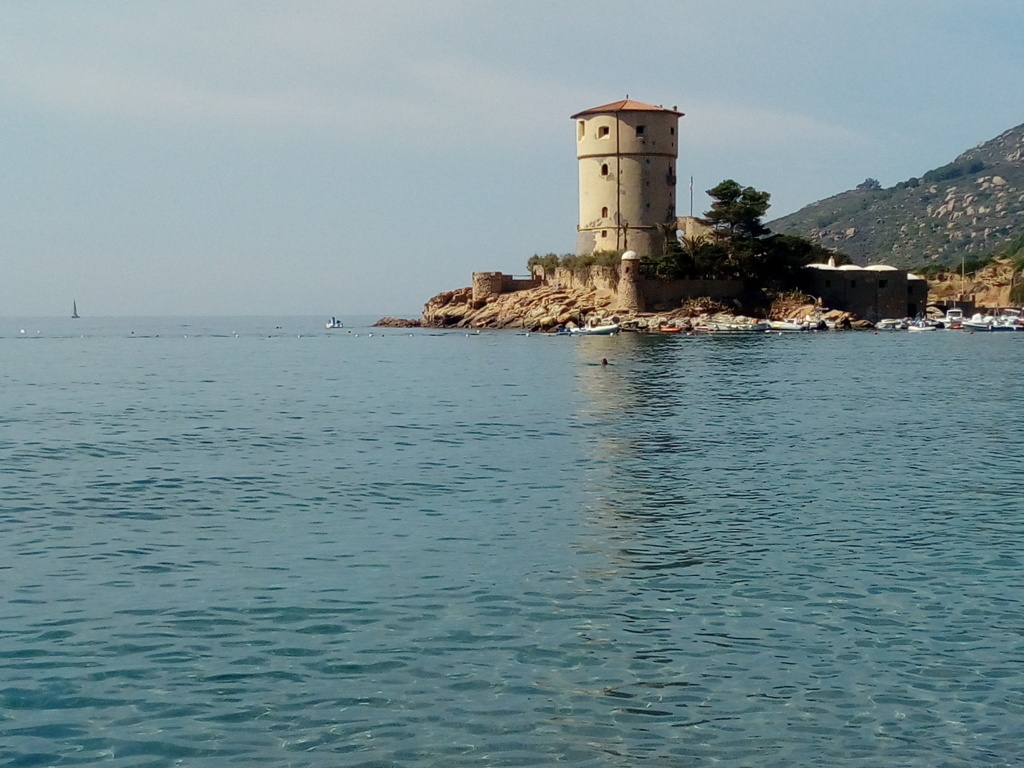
(74, 310)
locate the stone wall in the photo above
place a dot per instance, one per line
(489, 284)
(667, 294)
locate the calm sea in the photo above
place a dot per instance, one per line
(254, 541)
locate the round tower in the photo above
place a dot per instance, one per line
(627, 154)
(629, 297)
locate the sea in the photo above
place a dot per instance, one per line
(259, 542)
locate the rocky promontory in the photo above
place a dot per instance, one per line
(547, 308)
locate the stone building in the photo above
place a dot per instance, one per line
(874, 293)
(627, 154)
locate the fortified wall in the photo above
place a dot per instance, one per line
(633, 293)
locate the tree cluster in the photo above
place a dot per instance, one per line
(738, 245)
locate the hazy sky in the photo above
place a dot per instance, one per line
(349, 157)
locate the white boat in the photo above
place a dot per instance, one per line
(954, 318)
(335, 323)
(892, 324)
(714, 327)
(602, 329)
(791, 325)
(990, 323)
(922, 325)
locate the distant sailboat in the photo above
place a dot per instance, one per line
(74, 310)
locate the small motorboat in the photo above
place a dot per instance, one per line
(670, 329)
(791, 325)
(892, 324)
(954, 319)
(716, 327)
(601, 329)
(335, 323)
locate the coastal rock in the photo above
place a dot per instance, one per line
(397, 322)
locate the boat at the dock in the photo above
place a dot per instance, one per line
(601, 329)
(791, 325)
(717, 327)
(892, 324)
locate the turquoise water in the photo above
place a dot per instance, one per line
(258, 542)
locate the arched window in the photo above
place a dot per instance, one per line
(604, 169)
(604, 212)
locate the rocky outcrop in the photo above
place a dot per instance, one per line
(541, 308)
(545, 308)
(397, 322)
(987, 287)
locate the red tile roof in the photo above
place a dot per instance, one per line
(626, 105)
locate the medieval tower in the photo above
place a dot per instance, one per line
(627, 154)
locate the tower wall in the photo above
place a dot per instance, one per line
(627, 177)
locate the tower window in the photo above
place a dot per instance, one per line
(604, 169)
(604, 233)
(671, 131)
(580, 130)
(604, 212)
(883, 283)
(603, 131)
(640, 130)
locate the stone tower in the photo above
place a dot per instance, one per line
(627, 154)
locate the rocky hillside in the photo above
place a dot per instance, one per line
(972, 206)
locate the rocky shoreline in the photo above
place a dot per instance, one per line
(547, 308)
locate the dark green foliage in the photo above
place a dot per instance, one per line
(549, 261)
(737, 211)
(870, 184)
(574, 262)
(954, 170)
(739, 247)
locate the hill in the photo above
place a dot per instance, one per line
(967, 208)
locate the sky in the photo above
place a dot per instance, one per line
(316, 157)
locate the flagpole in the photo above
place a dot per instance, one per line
(691, 197)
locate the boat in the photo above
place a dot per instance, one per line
(954, 318)
(601, 329)
(892, 324)
(670, 329)
(923, 325)
(74, 310)
(335, 323)
(716, 327)
(991, 323)
(791, 325)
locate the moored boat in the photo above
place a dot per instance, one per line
(791, 325)
(892, 324)
(716, 327)
(335, 323)
(601, 329)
